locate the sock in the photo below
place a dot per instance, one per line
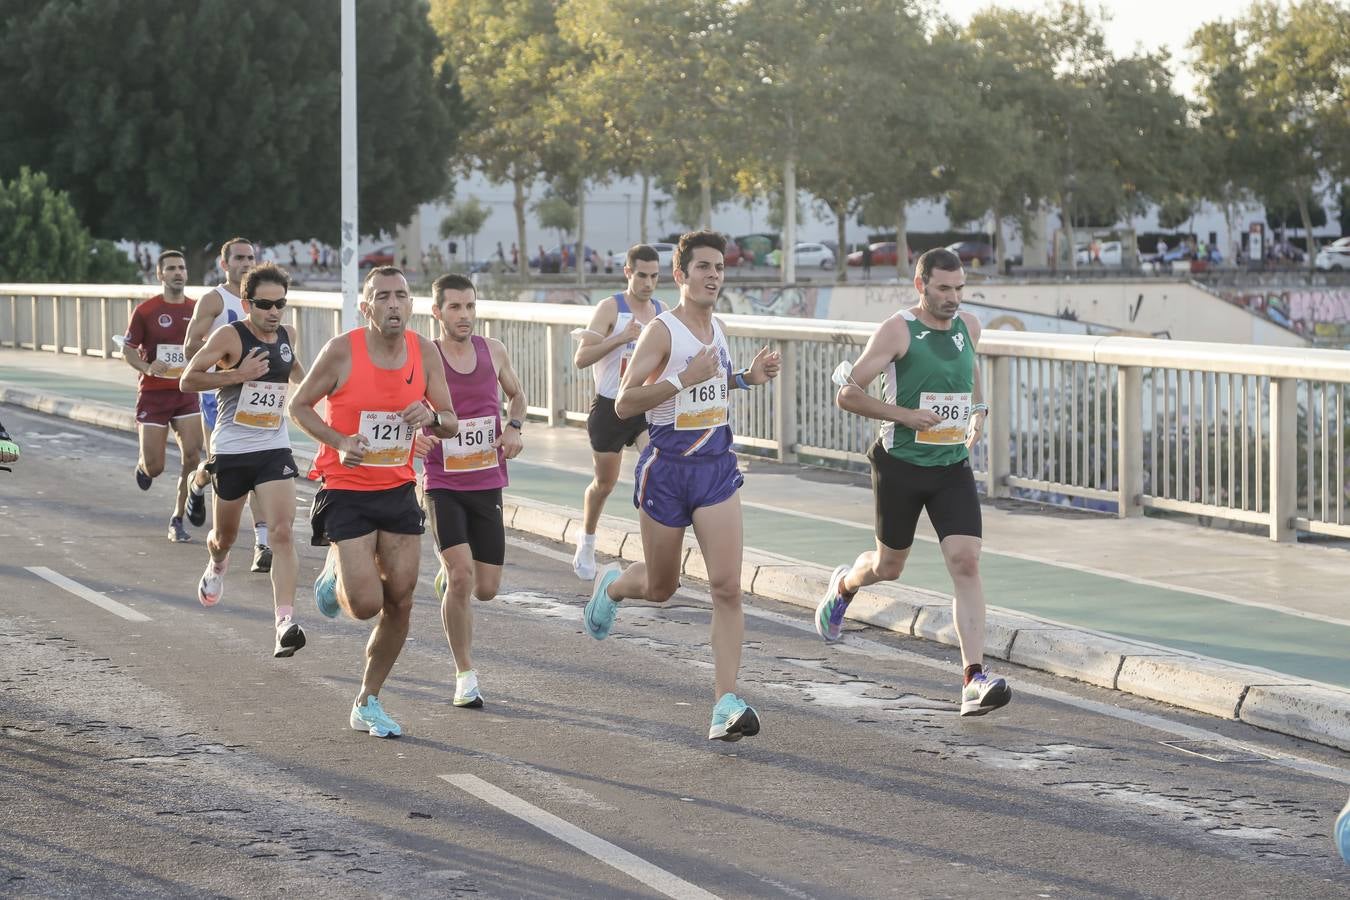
(459, 674)
(260, 534)
(284, 612)
(588, 542)
(970, 672)
(196, 489)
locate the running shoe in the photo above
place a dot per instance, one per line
(325, 587)
(177, 533)
(985, 693)
(290, 638)
(143, 481)
(196, 507)
(467, 694)
(438, 583)
(373, 719)
(262, 558)
(732, 720)
(583, 562)
(599, 615)
(830, 610)
(1342, 832)
(212, 584)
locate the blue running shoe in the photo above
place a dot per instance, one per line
(1342, 832)
(732, 720)
(438, 583)
(373, 719)
(830, 610)
(325, 587)
(599, 615)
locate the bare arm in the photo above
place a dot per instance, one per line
(635, 394)
(203, 314)
(329, 372)
(597, 341)
(510, 439)
(131, 350)
(977, 416)
(438, 392)
(890, 341)
(297, 367)
(221, 349)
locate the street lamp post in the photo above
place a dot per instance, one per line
(349, 256)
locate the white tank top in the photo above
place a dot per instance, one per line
(232, 310)
(683, 346)
(608, 370)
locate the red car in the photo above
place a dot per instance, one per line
(732, 258)
(381, 257)
(883, 254)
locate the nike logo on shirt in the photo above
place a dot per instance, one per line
(411, 373)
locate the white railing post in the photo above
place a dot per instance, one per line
(104, 328)
(556, 358)
(785, 403)
(998, 439)
(1283, 466)
(1130, 442)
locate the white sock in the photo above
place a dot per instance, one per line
(283, 613)
(588, 542)
(260, 534)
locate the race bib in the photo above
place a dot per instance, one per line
(171, 355)
(955, 412)
(625, 355)
(471, 450)
(702, 405)
(391, 439)
(261, 404)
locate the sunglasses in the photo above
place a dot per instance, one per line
(269, 304)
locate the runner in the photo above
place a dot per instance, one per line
(463, 477)
(156, 333)
(9, 448)
(606, 347)
(932, 414)
(249, 364)
(219, 307)
(681, 376)
(367, 509)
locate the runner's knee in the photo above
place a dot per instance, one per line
(661, 591)
(604, 485)
(153, 467)
(964, 563)
(190, 459)
(461, 581)
(279, 533)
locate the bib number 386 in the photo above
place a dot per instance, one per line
(390, 439)
(954, 410)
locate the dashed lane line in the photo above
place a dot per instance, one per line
(100, 600)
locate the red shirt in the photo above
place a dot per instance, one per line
(156, 322)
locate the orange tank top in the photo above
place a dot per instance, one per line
(368, 403)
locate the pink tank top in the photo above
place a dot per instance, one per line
(467, 462)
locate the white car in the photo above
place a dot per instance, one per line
(665, 251)
(1334, 257)
(814, 256)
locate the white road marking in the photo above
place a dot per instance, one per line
(1026, 557)
(652, 876)
(877, 650)
(100, 600)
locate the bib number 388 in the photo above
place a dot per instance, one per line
(390, 439)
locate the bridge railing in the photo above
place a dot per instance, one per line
(1233, 432)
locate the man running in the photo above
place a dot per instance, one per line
(156, 334)
(463, 476)
(9, 448)
(249, 365)
(931, 414)
(219, 307)
(383, 383)
(681, 377)
(606, 347)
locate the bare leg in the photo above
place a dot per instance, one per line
(881, 564)
(607, 467)
(962, 555)
(397, 557)
(658, 578)
(188, 433)
(277, 499)
(719, 532)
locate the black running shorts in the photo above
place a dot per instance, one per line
(342, 515)
(609, 433)
(468, 517)
(902, 490)
(233, 475)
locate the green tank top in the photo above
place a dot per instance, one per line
(937, 373)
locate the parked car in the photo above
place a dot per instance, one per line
(1334, 257)
(733, 255)
(883, 254)
(664, 250)
(973, 252)
(553, 258)
(384, 256)
(814, 256)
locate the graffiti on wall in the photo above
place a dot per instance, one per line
(1322, 314)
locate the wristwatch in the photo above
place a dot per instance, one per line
(517, 425)
(435, 419)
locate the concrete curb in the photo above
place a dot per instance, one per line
(1277, 703)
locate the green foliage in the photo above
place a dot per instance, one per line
(108, 264)
(556, 214)
(466, 218)
(41, 238)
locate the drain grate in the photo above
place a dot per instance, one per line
(1219, 752)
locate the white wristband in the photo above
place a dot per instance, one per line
(675, 380)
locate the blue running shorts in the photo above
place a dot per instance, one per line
(669, 488)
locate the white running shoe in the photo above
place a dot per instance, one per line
(212, 584)
(467, 694)
(583, 562)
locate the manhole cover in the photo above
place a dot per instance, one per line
(1218, 752)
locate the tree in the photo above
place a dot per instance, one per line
(163, 136)
(465, 219)
(43, 240)
(557, 214)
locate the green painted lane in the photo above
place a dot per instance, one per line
(1294, 645)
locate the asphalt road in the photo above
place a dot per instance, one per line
(174, 756)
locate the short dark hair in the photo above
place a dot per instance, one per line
(684, 251)
(378, 272)
(937, 258)
(267, 273)
(165, 254)
(225, 247)
(642, 252)
(452, 282)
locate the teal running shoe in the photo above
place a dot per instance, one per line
(325, 587)
(732, 720)
(373, 719)
(438, 583)
(600, 611)
(1342, 832)
(830, 610)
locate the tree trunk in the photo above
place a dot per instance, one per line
(841, 226)
(1310, 249)
(201, 262)
(642, 216)
(581, 257)
(519, 204)
(902, 269)
(705, 197)
(1067, 223)
(1000, 249)
(790, 220)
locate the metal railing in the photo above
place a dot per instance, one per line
(1240, 433)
